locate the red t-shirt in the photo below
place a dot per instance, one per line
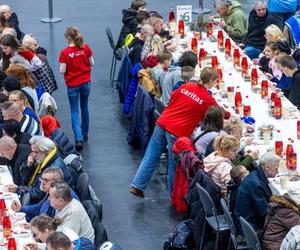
(187, 107)
(78, 67)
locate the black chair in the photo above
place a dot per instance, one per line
(215, 221)
(82, 187)
(230, 222)
(114, 60)
(251, 236)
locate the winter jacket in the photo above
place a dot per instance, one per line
(83, 244)
(124, 78)
(22, 138)
(129, 26)
(27, 174)
(172, 77)
(282, 6)
(284, 83)
(294, 96)
(130, 95)
(293, 27)
(283, 214)
(146, 79)
(236, 23)
(63, 143)
(13, 20)
(218, 168)
(256, 29)
(196, 211)
(43, 207)
(20, 157)
(136, 50)
(253, 197)
(142, 121)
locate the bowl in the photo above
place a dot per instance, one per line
(19, 216)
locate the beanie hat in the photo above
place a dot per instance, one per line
(49, 124)
(11, 83)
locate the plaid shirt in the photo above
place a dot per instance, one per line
(292, 239)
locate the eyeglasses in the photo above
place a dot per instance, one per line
(45, 180)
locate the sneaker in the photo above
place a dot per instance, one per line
(137, 192)
(78, 145)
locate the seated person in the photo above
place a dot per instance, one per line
(71, 211)
(254, 192)
(152, 46)
(218, 164)
(282, 215)
(290, 69)
(173, 76)
(291, 31)
(142, 18)
(11, 128)
(164, 62)
(234, 18)
(44, 155)
(44, 226)
(137, 44)
(210, 127)
(49, 176)
(292, 239)
(16, 154)
(30, 42)
(187, 75)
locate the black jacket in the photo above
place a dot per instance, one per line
(61, 140)
(13, 20)
(256, 29)
(20, 156)
(294, 96)
(136, 50)
(23, 138)
(129, 26)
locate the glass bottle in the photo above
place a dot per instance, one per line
(278, 144)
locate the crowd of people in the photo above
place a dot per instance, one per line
(172, 111)
(61, 207)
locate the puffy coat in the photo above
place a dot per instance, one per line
(146, 79)
(63, 143)
(129, 26)
(283, 214)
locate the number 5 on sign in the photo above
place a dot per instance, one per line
(184, 12)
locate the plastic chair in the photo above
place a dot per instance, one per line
(114, 60)
(251, 236)
(215, 221)
(230, 222)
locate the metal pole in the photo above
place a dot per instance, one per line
(50, 19)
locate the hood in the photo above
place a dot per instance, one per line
(144, 73)
(212, 161)
(14, 19)
(278, 202)
(128, 15)
(235, 5)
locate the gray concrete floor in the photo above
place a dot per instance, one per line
(111, 163)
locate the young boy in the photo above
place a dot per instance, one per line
(187, 73)
(164, 62)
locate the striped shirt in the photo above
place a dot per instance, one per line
(292, 239)
(30, 126)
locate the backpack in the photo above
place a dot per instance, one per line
(75, 165)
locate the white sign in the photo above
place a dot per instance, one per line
(184, 12)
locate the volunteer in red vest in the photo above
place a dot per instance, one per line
(76, 62)
(186, 109)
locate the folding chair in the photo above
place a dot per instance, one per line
(251, 236)
(114, 60)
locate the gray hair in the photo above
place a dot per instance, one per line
(269, 158)
(43, 143)
(9, 31)
(56, 171)
(147, 28)
(62, 190)
(4, 8)
(222, 3)
(259, 2)
(29, 39)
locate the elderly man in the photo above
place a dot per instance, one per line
(254, 192)
(70, 211)
(11, 110)
(49, 176)
(44, 155)
(12, 19)
(234, 18)
(259, 20)
(16, 154)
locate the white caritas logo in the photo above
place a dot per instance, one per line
(71, 55)
(192, 95)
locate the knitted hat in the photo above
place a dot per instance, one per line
(11, 83)
(294, 193)
(49, 124)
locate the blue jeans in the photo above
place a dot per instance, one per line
(158, 142)
(252, 52)
(75, 94)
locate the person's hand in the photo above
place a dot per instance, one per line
(30, 246)
(12, 188)
(30, 159)
(15, 206)
(241, 45)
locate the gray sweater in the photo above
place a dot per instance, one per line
(75, 217)
(171, 78)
